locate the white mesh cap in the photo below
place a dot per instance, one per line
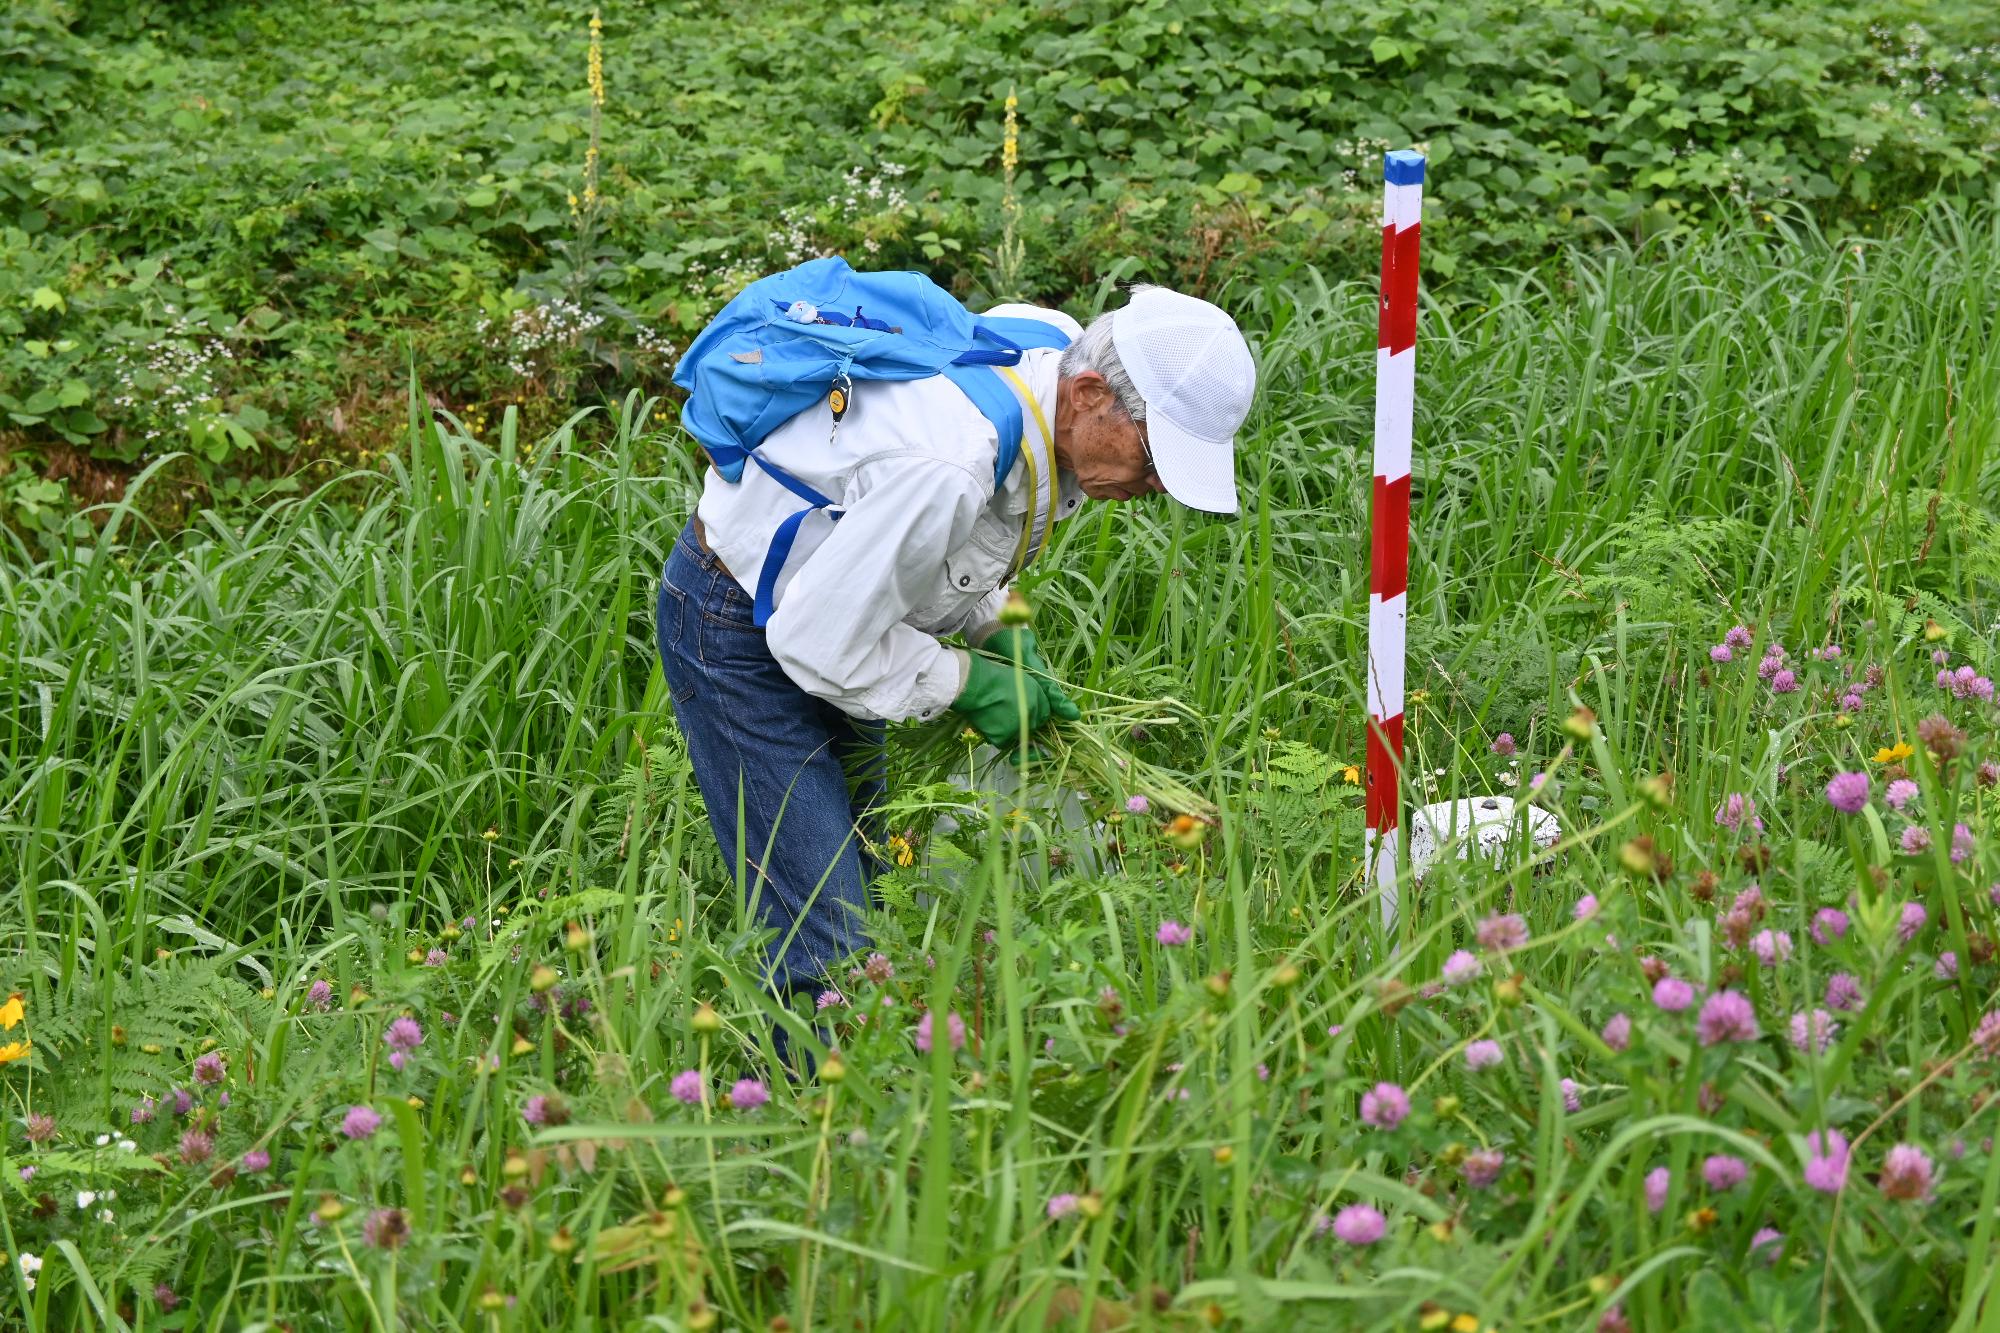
(1189, 362)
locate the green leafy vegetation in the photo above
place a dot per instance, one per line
(228, 230)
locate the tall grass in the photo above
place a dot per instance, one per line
(298, 744)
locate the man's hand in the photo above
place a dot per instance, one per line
(1017, 644)
(998, 693)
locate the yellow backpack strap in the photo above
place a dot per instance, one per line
(1041, 479)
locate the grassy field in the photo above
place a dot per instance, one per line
(368, 923)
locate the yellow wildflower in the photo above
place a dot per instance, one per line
(902, 849)
(14, 1050)
(1351, 775)
(1890, 754)
(12, 1011)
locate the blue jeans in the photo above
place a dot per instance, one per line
(807, 773)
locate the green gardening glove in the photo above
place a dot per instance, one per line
(996, 695)
(1017, 644)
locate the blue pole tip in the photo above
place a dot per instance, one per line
(1403, 167)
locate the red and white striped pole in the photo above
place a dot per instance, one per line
(1388, 580)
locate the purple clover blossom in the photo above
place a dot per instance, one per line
(1617, 1032)
(1828, 924)
(1173, 934)
(385, 1229)
(1483, 1055)
(1987, 1035)
(1720, 653)
(256, 1160)
(320, 995)
(1947, 966)
(360, 1122)
(1848, 792)
(1851, 702)
(1785, 681)
(687, 1087)
(1813, 1030)
(1572, 1096)
(1737, 809)
(1826, 1161)
(208, 1069)
(829, 999)
(1727, 1016)
(196, 1147)
(404, 1034)
(1460, 968)
(1137, 805)
(1916, 840)
(1359, 1224)
(545, 1109)
(1658, 1182)
(748, 1094)
(1906, 1173)
(1672, 995)
(1767, 1238)
(1482, 1167)
(954, 1026)
(1722, 1173)
(1772, 947)
(183, 1101)
(143, 1112)
(1503, 745)
(1901, 792)
(1912, 922)
(1586, 907)
(1384, 1106)
(436, 958)
(1962, 845)
(1502, 932)
(1843, 993)
(1062, 1205)
(1738, 636)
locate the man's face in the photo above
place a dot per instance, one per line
(1106, 449)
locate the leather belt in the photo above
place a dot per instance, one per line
(701, 539)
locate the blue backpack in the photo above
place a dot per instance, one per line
(791, 339)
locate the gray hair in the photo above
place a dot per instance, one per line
(1096, 351)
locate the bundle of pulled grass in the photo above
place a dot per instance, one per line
(1087, 756)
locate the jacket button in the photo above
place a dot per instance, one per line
(964, 580)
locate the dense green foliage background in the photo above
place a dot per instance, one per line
(221, 223)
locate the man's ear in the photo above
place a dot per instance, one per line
(1091, 391)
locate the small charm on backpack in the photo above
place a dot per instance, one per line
(838, 399)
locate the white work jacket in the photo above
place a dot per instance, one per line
(922, 546)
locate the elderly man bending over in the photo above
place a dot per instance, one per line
(784, 724)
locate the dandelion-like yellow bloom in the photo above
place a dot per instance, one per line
(14, 1050)
(1351, 775)
(1890, 754)
(12, 1012)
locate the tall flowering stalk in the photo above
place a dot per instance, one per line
(1009, 256)
(586, 211)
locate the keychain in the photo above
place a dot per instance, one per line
(837, 400)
